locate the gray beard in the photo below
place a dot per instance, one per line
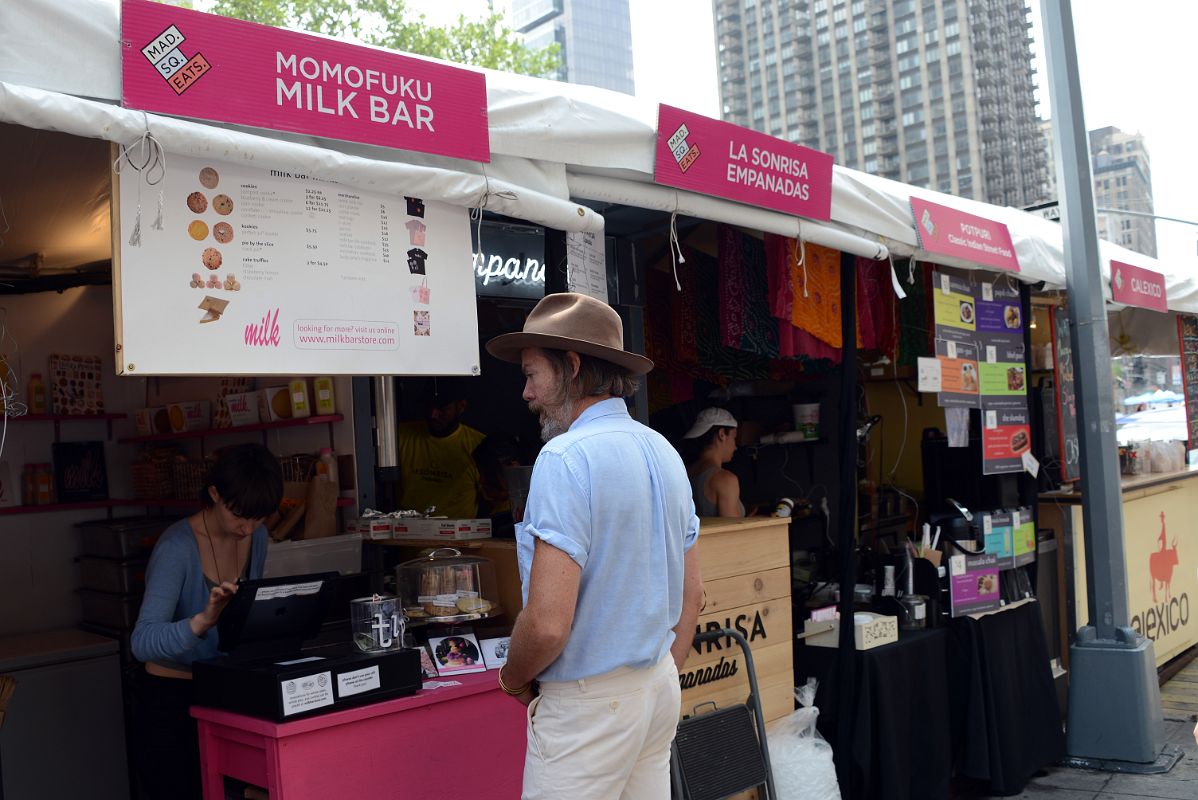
(555, 423)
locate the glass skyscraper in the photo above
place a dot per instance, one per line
(595, 38)
(936, 93)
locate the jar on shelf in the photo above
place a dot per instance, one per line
(446, 586)
(43, 484)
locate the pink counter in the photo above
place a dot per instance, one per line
(464, 741)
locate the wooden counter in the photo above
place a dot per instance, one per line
(1160, 554)
(746, 583)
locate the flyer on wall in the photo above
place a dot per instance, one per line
(1023, 531)
(1006, 436)
(955, 314)
(996, 526)
(973, 584)
(959, 382)
(264, 272)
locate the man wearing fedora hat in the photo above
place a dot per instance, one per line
(610, 577)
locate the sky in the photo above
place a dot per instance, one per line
(1137, 63)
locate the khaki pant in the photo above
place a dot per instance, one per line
(604, 737)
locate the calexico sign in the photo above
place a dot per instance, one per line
(1134, 286)
(950, 232)
(190, 64)
(725, 160)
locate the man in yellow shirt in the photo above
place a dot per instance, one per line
(436, 456)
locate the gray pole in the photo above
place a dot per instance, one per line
(1114, 700)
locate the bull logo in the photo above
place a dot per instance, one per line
(1161, 564)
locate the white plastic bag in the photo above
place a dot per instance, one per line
(801, 759)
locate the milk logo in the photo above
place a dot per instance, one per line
(684, 153)
(178, 70)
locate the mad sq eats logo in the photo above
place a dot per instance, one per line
(178, 70)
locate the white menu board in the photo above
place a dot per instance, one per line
(262, 272)
(586, 264)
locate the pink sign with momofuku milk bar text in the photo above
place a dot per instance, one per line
(724, 160)
(1135, 286)
(189, 64)
(950, 232)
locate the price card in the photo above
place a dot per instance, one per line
(946, 284)
(987, 524)
(1031, 464)
(992, 354)
(929, 375)
(988, 292)
(956, 565)
(951, 346)
(991, 419)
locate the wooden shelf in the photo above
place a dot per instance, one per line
(261, 426)
(67, 417)
(342, 502)
(84, 506)
(170, 502)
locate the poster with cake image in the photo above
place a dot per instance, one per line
(260, 271)
(996, 528)
(1023, 528)
(456, 654)
(959, 383)
(973, 584)
(1006, 437)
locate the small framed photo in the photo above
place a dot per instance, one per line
(495, 651)
(456, 654)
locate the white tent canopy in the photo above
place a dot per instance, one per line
(550, 142)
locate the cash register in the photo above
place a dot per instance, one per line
(265, 671)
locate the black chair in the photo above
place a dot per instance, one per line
(724, 751)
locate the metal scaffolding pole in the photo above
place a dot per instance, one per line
(1115, 710)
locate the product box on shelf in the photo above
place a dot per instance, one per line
(274, 404)
(230, 386)
(152, 420)
(242, 408)
(193, 415)
(450, 529)
(375, 527)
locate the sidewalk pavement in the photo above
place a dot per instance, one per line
(1180, 700)
(1180, 783)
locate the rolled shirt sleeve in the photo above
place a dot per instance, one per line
(558, 507)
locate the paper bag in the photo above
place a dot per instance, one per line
(320, 513)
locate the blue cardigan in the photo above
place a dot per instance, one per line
(175, 592)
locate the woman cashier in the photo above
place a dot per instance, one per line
(711, 443)
(192, 575)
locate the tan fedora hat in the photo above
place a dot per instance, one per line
(571, 321)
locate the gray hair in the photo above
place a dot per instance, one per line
(596, 377)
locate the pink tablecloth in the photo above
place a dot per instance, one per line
(459, 741)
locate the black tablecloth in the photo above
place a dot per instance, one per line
(901, 717)
(1005, 719)
(977, 696)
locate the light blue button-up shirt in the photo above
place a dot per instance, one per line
(613, 495)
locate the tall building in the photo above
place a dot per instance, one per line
(936, 93)
(1123, 181)
(595, 38)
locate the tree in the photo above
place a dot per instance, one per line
(484, 42)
